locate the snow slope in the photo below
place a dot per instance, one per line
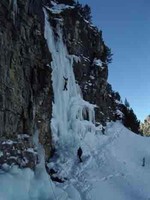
(111, 169)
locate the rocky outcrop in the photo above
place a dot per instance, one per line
(25, 75)
(85, 42)
(25, 84)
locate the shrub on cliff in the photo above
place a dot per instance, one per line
(85, 11)
(106, 55)
(67, 2)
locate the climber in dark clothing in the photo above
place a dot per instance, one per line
(79, 154)
(65, 83)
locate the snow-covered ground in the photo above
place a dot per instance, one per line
(116, 165)
(114, 168)
(111, 169)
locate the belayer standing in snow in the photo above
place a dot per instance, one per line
(79, 153)
(65, 83)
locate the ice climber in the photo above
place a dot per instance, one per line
(79, 153)
(65, 83)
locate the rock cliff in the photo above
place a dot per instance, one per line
(25, 84)
(26, 93)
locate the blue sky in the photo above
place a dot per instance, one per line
(126, 30)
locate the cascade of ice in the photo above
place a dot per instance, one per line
(68, 123)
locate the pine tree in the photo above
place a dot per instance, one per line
(106, 55)
(68, 2)
(86, 12)
(117, 96)
(145, 127)
(130, 120)
(126, 103)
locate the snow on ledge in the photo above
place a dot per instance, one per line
(75, 58)
(58, 8)
(119, 113)
(118, 102)
(97, 62)
(9, 142)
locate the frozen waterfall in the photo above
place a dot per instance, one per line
(68, 123)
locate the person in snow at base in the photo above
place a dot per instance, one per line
(79, 153)
(65, 83)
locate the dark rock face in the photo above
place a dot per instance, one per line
(25, 82)
(25, 77)
(85, 41)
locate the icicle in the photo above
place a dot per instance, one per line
(13, 5)
(40, 150)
